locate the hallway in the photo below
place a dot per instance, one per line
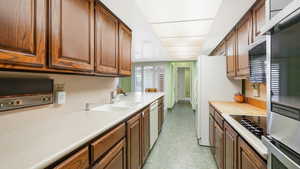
(177, 146)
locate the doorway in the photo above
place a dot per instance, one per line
(183, 84)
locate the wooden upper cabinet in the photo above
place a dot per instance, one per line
(23, 32)
(72, 34)
(259, 17)
(124, 50)
(219, 146)
(230, 147)
(106, 41)
(244, 38)
(230, 54)
(134, 140)
(248, 158)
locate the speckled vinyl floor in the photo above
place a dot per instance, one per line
(177, 146)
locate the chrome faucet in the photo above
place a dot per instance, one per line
(112, 97)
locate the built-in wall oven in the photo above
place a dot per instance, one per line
(283, 141)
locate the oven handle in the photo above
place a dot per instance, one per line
(289, 163)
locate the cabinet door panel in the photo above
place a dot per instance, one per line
(124, 50)
(247, 157)
(134, 136)
(23, 32)
(71, 34)
(259, 17)
(243, 40)
(146, 134)
(219, 146)
(106, 39)
(212, 134)
(230, 53)
(230, 147)
(115, 159)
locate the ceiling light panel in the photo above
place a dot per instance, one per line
(177, 42)
(171, 10)
(186, 29)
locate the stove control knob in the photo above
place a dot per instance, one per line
(1, 105)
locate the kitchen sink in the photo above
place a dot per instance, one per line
(128, 104)
(111, 108)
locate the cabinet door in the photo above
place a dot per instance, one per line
(212, 134)
(247, 157)
(146, 134)
(230, 147)
(115, 159)
(134, 136)
(230, 53)
(124, 50)
(219, 146)
(106, 41)
(244, 32)
(23, 32)
(259, 17)
(71, 34)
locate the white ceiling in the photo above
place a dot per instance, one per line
(181, 25)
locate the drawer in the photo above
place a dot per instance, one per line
(106, 142)
(115, 158)
(80, 160)
(219, 119)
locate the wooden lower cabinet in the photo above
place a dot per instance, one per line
(248, 158)
(146, 133)
(79, 160)
(230, 147)
(134, 140)
(115, 159)
(212, 134)
(219, 146)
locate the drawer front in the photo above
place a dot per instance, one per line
(115, 158)
(219, 119)
(79, 160)
(103, 144)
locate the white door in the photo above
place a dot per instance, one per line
(181, 84)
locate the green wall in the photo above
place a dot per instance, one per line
(125, 83)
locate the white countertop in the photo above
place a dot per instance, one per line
(36, 140)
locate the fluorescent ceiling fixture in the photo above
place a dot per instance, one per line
(178, 42)
(181, 30)
(171, 10)
(183, 49)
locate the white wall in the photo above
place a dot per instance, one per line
(214, 86)
(144, 43)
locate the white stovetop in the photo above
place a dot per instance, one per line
(34, 141)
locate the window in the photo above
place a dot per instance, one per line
(149, 76)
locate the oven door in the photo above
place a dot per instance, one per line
(280, 156)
